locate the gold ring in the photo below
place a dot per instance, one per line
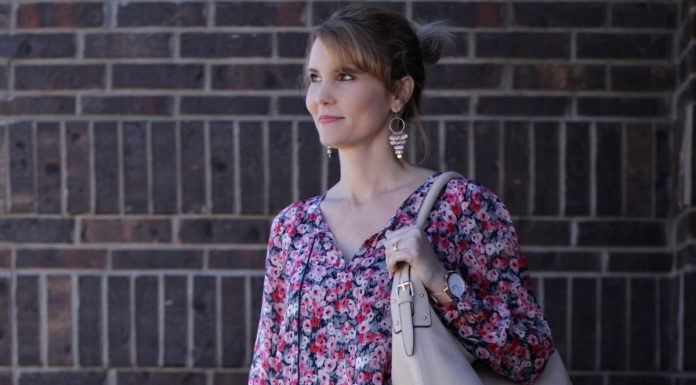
(395, 246)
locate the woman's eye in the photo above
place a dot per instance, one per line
(313, 77)
(346, 77)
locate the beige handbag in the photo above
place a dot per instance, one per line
(424, 352)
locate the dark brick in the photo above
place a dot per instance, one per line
(644, 15)
(663, 158)
(577, 168)
(457, 146)
(192, 142)
(257, 76)
(310, 151)
(643, 332)
(640, 262)
(158, 76)
(256, 299)
(292, 44)
(176, 310)
(135, 167)
(37, 46)
(129, 105)
(622, 106)
(62, 378)
(218, 45)
(224, 231)
(61, 259)
(227, 378)
(613, 352)
(564, 261)
(562, 77)
(4, 16)
(59, 77)
(187, 14)
(157, 259)
(36, 230)
(451, 105)
(608, 169)
(106, 177)
(161, 378)
(556, 312)
(204, 325)
(460, 47)
(233, 323)
(21, 152)
(546, 168)
(584, 329)
(689, 333)
(225, 105)
(639, 379)
(6, 254)
(469, 14)
(621, 233)
(522, 45)
(642, 78)
(237, 259)
(89, 327)
(222, 169)
(280, 156)
(550, 15)
(59, 320)
(291, 105)
(586, 379)
(128, 45)
(6, 317)
(165, 177)
(146, 320)
(523, 105)
(252, 168)
(596, 45)
(27, 318)
(543, 232)
(639, 169)
(321, 10)
(49, 168)
(464, 76)
(60, 15)
(119, 321)
(39, 105)
(667, 314)
(3, 77)
(78, 191)
(486, 157)
(274, 14)
(424, 154)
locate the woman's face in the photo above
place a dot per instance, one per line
(349, 108)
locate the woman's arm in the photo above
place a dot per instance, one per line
(498, 319)
(264, 365)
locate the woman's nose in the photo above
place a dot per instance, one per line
(325, 94)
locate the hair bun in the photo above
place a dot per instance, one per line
(433, 38)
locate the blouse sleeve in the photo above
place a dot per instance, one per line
(264, 365)
(498, 319)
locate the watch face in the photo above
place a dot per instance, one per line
(456, 285)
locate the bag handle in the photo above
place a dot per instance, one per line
(433, 193)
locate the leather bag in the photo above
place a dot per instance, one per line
(424, 352)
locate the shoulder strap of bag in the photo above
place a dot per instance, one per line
(432, 195)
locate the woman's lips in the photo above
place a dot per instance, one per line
(325, 119)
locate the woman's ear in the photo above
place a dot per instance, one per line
(403, 92)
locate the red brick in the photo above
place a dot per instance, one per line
(271, 14)
(193, 199)
(139, 14)
(128, 45)
(27, 320)
(130, 105)
(257, 77)
(5, 258)
(157, 259)
(59, 318)
(77, 168)
(61, 259)
(131, 230)
(60, 15)
(237, 259)
(158, 76)
(49, 168)
(59, 77)
(21, 167)
(464, 76)
(223, 231)
(562, 77)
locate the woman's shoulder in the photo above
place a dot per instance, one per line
(298, 212)
(471, 197)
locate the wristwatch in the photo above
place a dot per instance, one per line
(455, 288)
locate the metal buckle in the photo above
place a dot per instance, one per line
(402, 287)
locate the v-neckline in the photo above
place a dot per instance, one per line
(323, 224)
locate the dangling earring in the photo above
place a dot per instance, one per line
(329, 151)
(398, 137)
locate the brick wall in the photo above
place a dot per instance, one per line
(145, 147)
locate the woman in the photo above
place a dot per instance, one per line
(325, 312)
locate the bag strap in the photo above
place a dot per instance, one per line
(433, 193)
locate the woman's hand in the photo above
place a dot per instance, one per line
(410, 245)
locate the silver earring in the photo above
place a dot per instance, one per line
(329, 151)
(398, 137)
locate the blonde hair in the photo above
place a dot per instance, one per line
(385, 44)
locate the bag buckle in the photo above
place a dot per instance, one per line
(402, 287)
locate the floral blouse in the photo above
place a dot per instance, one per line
(327, 321)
